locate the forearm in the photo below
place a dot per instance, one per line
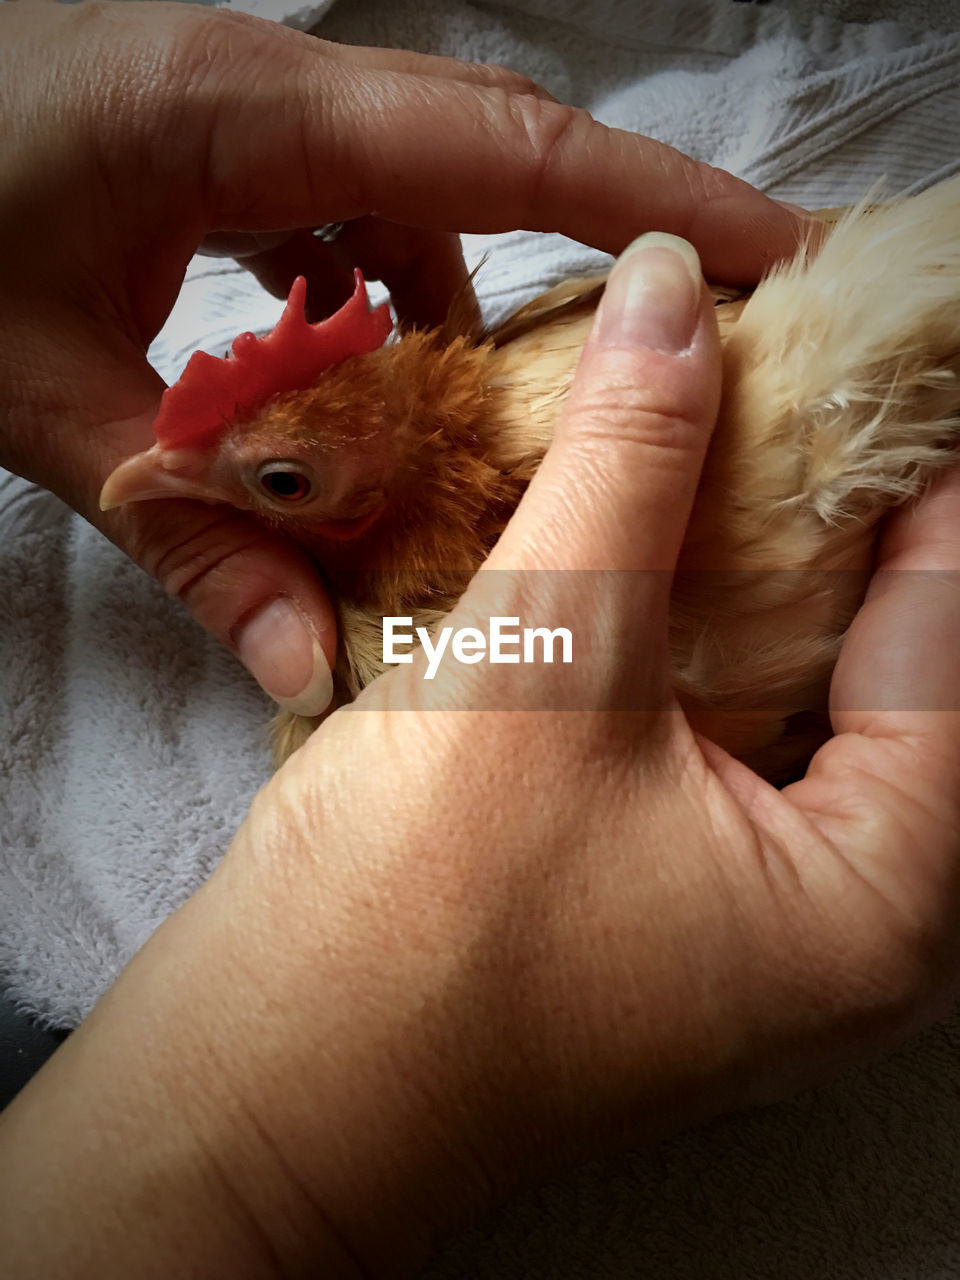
(225, 1110)
(131, 1154)
(365, 1027)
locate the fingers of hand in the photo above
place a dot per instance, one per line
(257, 593)
(898, 672)
(484, 159)
(885, 788)
(423, 270)
(489, 75)
(443, 145)
(330, 281)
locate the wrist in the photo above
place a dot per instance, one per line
(335, 1037)
(247, 1096)
(120, 1158)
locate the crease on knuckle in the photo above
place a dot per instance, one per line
(338, 162)
(702, 184)
(494, 73)
(222, 67)
(631, 417)
(546, 128)
(181, 568)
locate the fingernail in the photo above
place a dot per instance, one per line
(285, 658)
(652, 298)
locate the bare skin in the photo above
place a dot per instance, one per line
(450, 949)
(134, 133)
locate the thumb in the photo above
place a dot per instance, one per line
(254, 590)
(617, 485)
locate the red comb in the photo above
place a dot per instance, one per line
(210, 392)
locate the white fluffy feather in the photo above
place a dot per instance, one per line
(853, 360)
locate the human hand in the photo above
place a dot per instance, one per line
(135, 133)
(449, 948)
(594, 924)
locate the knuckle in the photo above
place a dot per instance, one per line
(695, 187)
(546, 130)
(214, 39)
(170, 65)
(631, 415)
(206, 556)
(496, 74)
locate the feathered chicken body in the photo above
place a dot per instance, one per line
(399, 465)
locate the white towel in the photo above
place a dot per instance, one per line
(131, 745)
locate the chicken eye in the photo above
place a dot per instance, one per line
(284, 481)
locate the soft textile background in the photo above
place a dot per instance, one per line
(131, 745)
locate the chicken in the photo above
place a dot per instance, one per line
(398, 463)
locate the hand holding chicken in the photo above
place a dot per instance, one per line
(133, 137)
(448, 951)
(397, 466)
(444, 950)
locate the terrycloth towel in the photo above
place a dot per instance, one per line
(800, 104)
(131, 745)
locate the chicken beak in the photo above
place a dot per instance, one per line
(159, 473)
